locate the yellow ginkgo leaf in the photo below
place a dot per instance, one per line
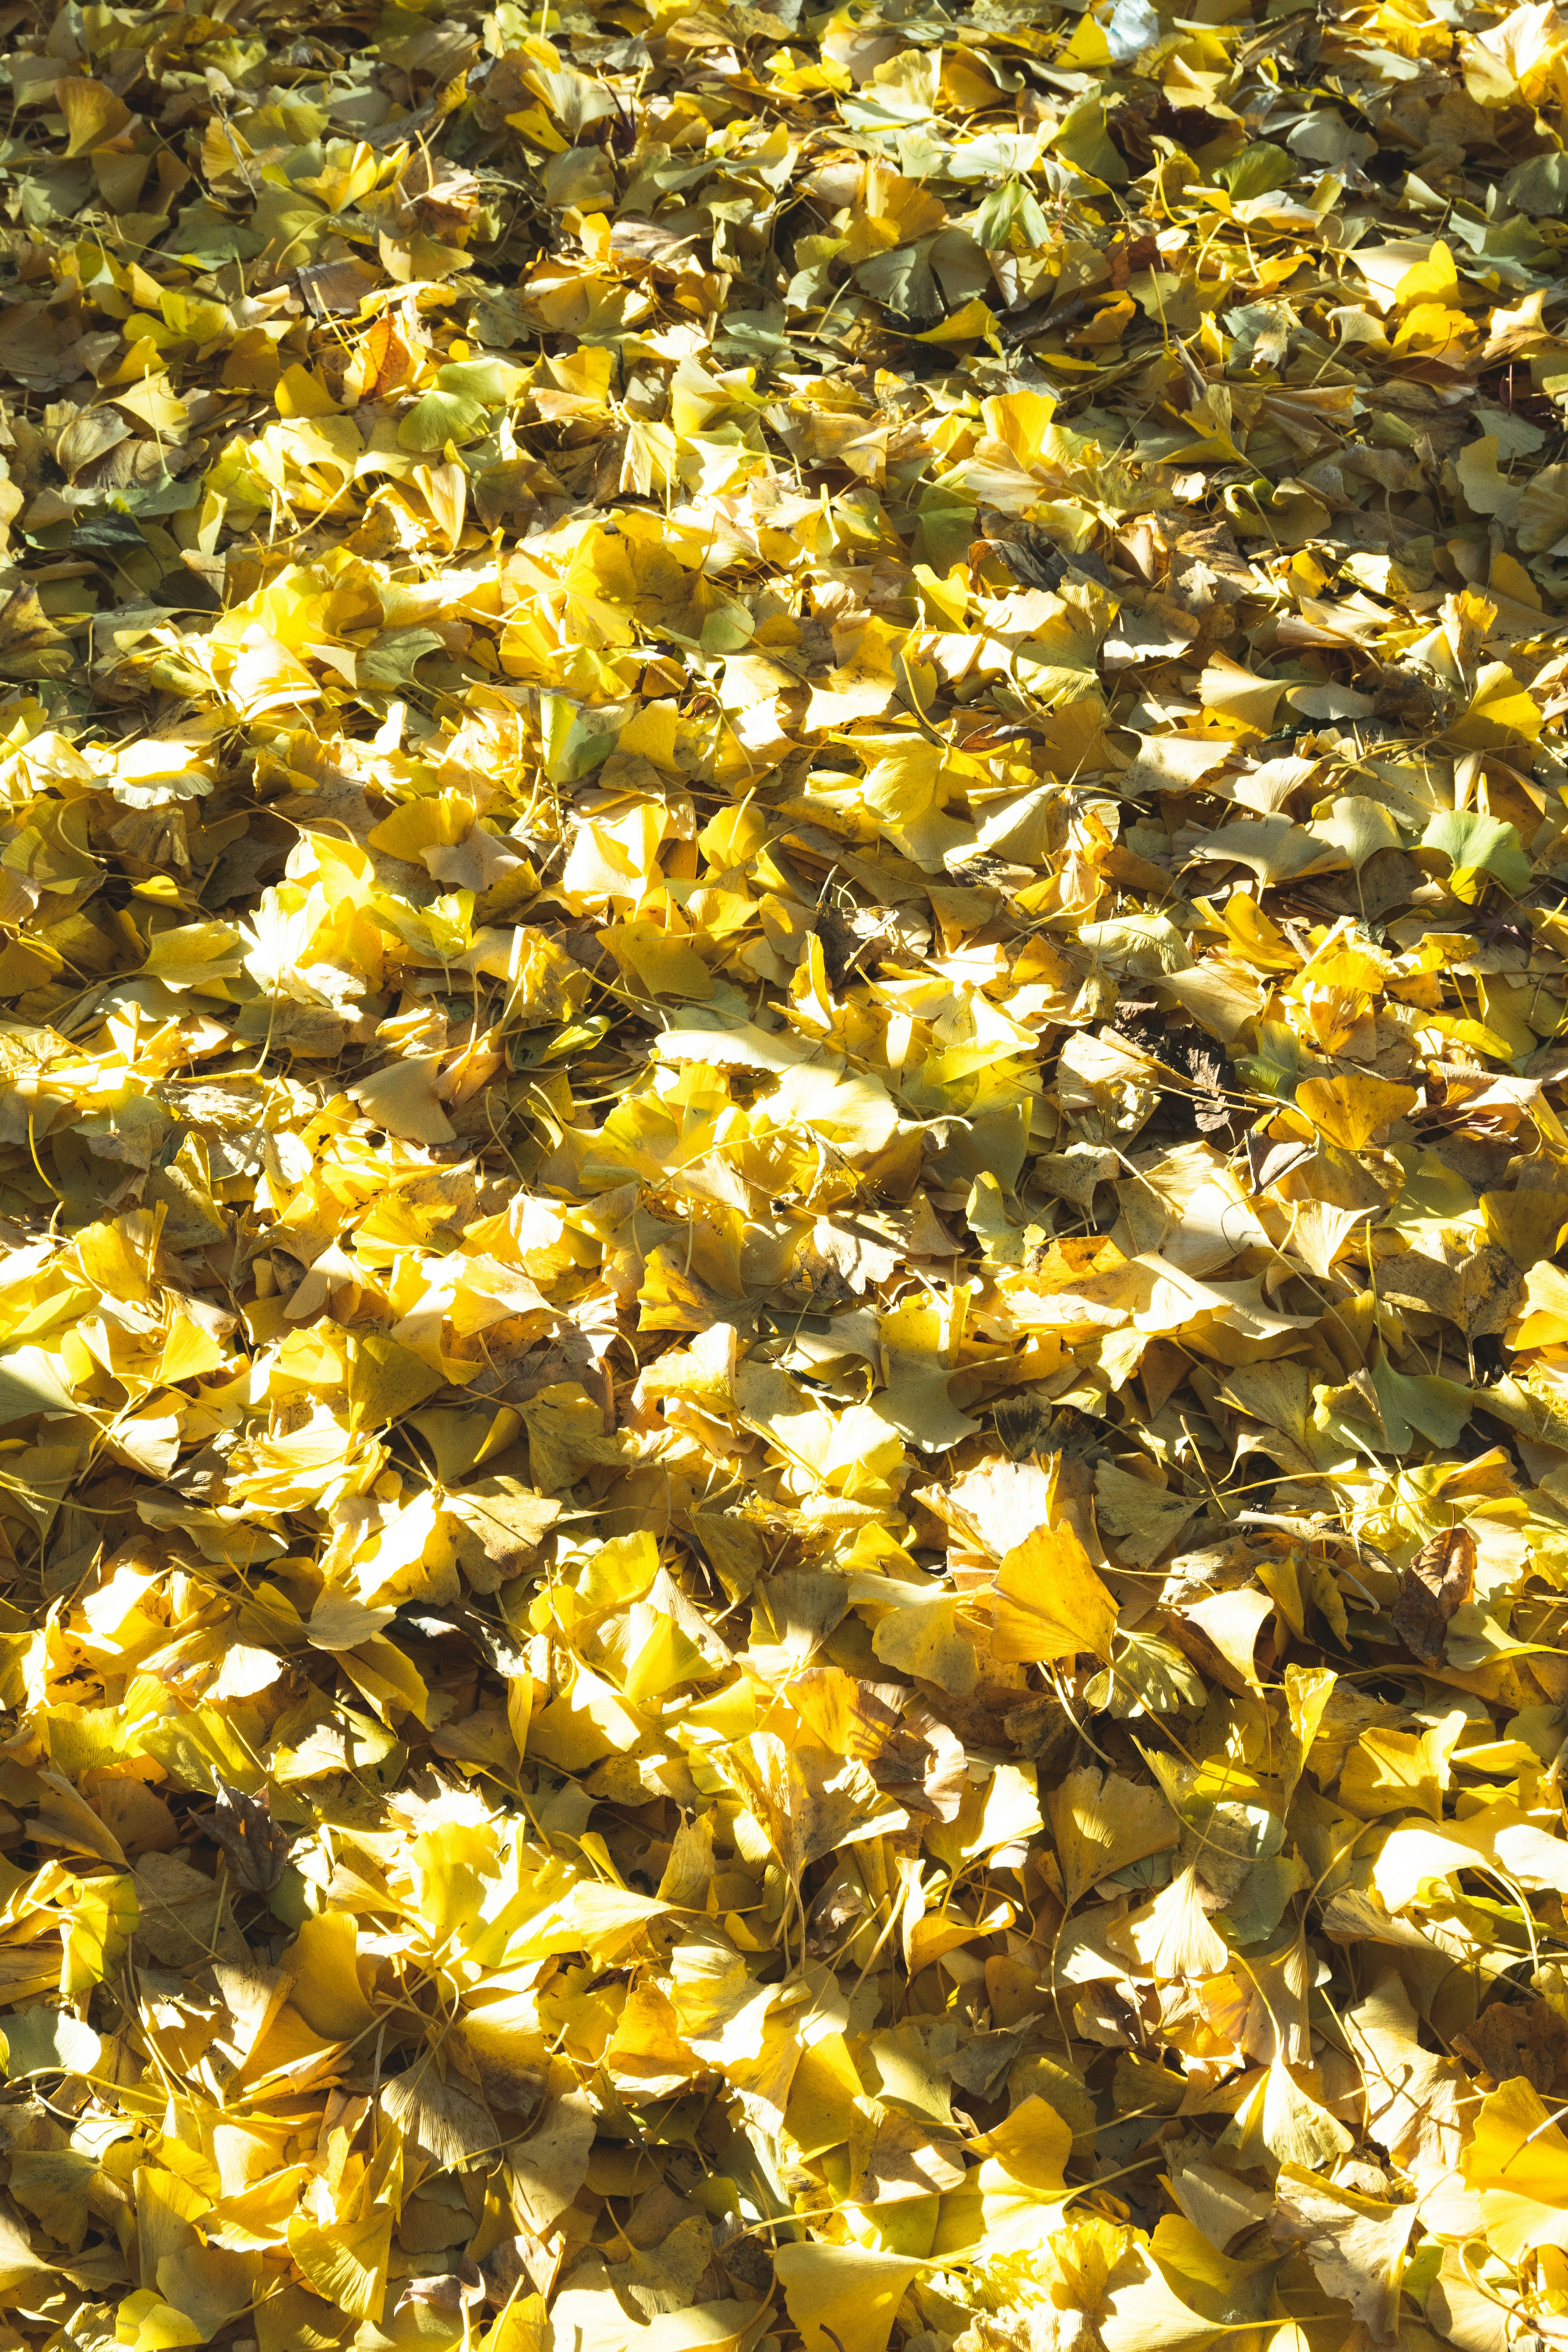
(1172, 1936)
(847, 2294)
(1353, 1111)
(1048, 1602)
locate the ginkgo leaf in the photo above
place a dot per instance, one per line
(1232, 1622)
(1142, 2310)
(1102, 1822)
(921, 1637)
(1464, 2298)
(93, 111)
(1515, 2145)
(845, 2293)
(1356, 2244)
(1352, 1111)
(323, 1961)
(386, 1380)
(347, 2262)
(1049, 1603)
(53, 2185)
(551, 2163)
(30, 1382)
(211, 2284)
(41, 2041)
(1171, 1935)
(1139, 1521)
(1150, 1677)
(401, 1098)
(1281, 2123)
(1478, 845)
(1361, 828)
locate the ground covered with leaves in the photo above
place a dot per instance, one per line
(784, 1383)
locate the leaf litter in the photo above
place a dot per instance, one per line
(784, 1401)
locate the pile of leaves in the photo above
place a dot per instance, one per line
(783, 1378)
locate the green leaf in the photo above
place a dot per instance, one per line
(457, 408)
(1257, 171)
(440, 418)
(1148, 1677)
(1423, 1405)
(1010, 218)
(1479, 844)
